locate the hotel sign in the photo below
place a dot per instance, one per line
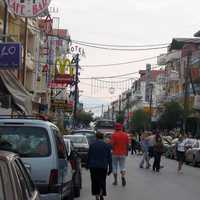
(28, 8)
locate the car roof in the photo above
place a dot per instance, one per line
(26, 122)
(66, 139)
(6, 155)
(74, 135)
(83, 130)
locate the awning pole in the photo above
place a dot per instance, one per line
(5, 22)
(25, 51)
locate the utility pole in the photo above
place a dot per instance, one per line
(102, 108)
(150, 103)
(25, 51)
(76, 99)
(119, 104)
(128, 108)
(5, 22)
(186, 95)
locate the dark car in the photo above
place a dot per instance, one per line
(76, 166)
(15, 181)
(105, 126)
(90, 134)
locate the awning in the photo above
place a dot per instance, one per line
(20, 95)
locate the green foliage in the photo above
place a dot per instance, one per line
(139, 120)
(84, 117)
(173, 113)
(120, 117)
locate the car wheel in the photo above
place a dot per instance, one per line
(77, 192)
(71, 196)
(194, 163)
(187, 163)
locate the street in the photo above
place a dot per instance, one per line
(143, 184)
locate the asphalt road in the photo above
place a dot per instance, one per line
(144, 184)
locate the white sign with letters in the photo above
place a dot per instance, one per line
(27, 8)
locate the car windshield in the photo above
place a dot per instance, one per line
(26, 141)
(82, 132)
(78, 140)
(105, 124)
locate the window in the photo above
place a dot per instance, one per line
(30, 184)
(2, 193)
(26, 192)
(6, 187)
(105, 124)
(59, 144)
(77, 139)
(26, 141)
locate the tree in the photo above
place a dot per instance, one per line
(172, 115)
(120, 117)
(84, 117)
(140, 120)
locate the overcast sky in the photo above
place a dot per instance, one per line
(127, 22)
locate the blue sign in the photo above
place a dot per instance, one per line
(10, 55)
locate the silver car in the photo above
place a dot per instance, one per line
(192, 155)
(15, 181)
(42, 149)
(81, 145)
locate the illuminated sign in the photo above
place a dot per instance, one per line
(64, 67)
(27, 8)
(67, 106)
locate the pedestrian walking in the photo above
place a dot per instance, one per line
(180, 152)
(100, 165)
(133, 144)
(157, 153)
(145, 148)
(151, 141)
(120, 143)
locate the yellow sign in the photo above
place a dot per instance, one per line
(64, 67)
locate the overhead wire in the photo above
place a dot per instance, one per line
(116, 45)
(116, 76)
(120, 63)
(122, 49)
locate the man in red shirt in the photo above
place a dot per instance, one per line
(120, 144)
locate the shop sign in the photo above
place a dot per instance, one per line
(64, 67)
(54, 85)
(28, 8)
(63, 78)
(10, 55)
(62, 104)
(75, 49)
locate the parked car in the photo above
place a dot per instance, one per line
(90, 134)
(192, 155)
(81, 145)
(42, 150)
(15, 181)
(76, 166)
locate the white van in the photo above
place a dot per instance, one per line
(42, 149)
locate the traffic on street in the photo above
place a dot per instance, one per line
(99, 100)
